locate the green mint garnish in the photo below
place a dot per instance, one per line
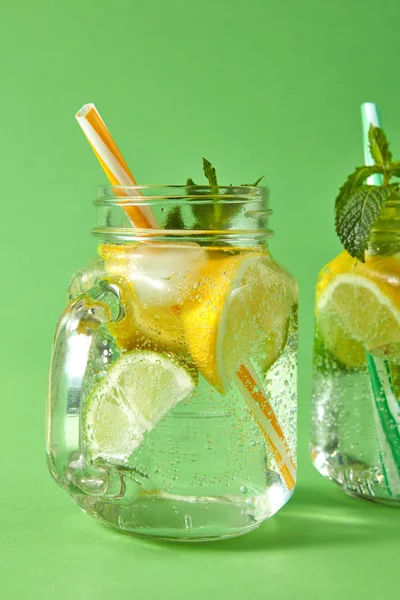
(379, 146)
(211, 175)
(216, 215)
(358, 205)
(354, 180)
(174, 219)
(190, 183)
(219, 215)
(395, 168)
(356, 217)
(255, 184)
(203, 213)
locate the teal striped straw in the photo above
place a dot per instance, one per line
(381, 382)
(370, 115)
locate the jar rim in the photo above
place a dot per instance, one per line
(246, 209)
(132, 195)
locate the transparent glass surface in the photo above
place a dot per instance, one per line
(172, 393)
(355, 433)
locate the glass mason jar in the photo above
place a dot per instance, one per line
(172, 393)
(355, 437)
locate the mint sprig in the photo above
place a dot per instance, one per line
(357, 178)
(211, 175)
(216, 215)
(379, 146)
(357, 216)
(358, 205)
(255, 184)
(174, 219)
(395, 168)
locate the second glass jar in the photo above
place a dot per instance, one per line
(355, 434)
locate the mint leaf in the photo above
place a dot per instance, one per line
(252, 184)
(174, 219)
(193, 189)
(379, 146)
(211, 175)
(356, 214)
(358, 205)
(203, 213)
(255, 184)
(190, 183)
(357, 178)
(394, 168)
(217, 215)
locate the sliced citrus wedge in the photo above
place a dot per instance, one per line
(358, 306)
(139, 389)
(240, 301)
(159, 277)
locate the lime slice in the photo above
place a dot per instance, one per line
(139, 389)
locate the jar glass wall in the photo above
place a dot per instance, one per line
(355, 437)
(172, 394)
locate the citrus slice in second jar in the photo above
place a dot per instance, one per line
(358, 306)
(138, 390)
(239, 301)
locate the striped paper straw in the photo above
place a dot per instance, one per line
(253, 392)
(118, 173)
(370, 115)
(386, 413)
(113, 164)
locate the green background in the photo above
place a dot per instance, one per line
(259, 87)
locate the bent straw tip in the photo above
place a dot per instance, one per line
(81, 114)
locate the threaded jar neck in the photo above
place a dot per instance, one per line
(227, 214)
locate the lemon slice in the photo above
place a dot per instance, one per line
(346, 350)
(139, 389)
(146, 327)
(358, 306)
(239, 302)
(159, 276)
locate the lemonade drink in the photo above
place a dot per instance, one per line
(355, 434)
(172, 404)
(355, 439)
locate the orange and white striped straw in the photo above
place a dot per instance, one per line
(247, 380)
(113, 164)
(252, 390)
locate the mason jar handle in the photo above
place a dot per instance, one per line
(75, 333)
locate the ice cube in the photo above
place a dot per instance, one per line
(164, 274)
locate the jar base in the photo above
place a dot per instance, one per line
(185, 519)
(391, 502)
(356, 479)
